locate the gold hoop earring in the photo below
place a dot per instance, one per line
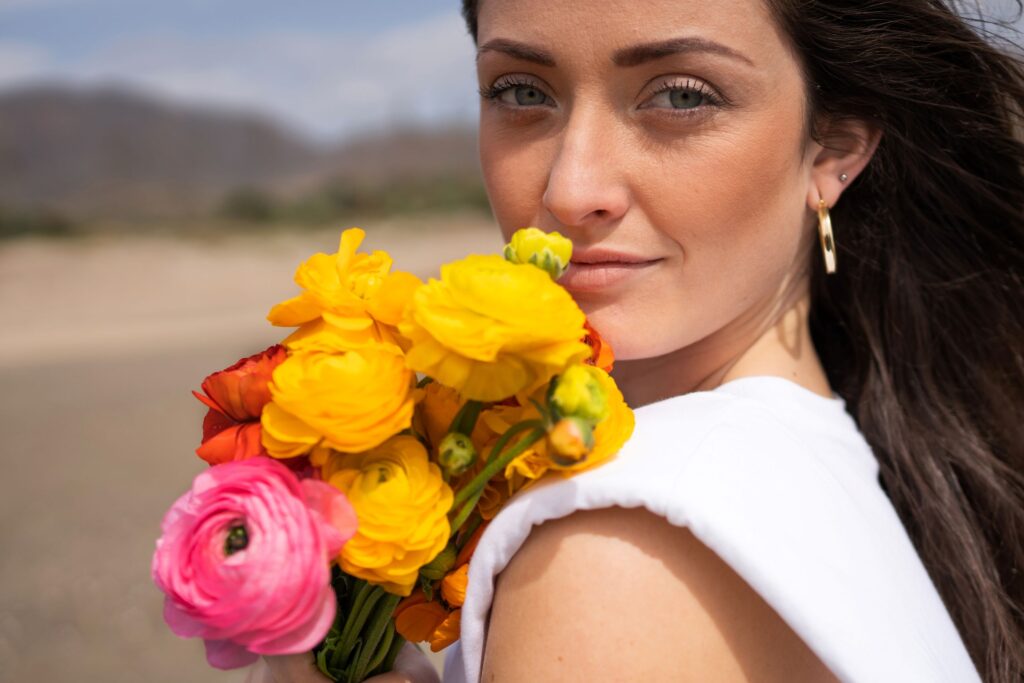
(828, 243)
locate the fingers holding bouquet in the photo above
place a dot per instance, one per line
(411, 666)
(355, 465)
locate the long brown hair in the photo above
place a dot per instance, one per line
(921, 327)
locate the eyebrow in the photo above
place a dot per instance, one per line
(639, 54)
(518, 50)
(634, 55)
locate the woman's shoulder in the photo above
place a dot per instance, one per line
(640, 599)
(779, 484)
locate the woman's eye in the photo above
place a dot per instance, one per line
(524, 95)
(516, 94)
(684, 99)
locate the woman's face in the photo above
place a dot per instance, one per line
(665, 138)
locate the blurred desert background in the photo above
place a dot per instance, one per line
(164, 167)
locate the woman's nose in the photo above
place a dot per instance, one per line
(585, 184)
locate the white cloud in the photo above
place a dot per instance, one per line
(326, 83)
(21, 62)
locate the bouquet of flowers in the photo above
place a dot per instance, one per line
(355, 465)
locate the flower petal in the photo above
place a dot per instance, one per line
(224, 654)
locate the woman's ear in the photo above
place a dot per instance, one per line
(847, 147)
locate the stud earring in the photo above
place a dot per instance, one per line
(828, 245)
(843, 177)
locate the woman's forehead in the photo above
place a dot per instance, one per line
(738, 39)
(604, 28)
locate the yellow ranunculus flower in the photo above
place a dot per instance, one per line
(549, 251)
(402, 504)
(348, 299)
(350, 401)
(490, 328)
(530, 466)
(395, 293)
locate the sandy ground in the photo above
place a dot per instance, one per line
(101, 342)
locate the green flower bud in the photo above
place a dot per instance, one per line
(578, 393)
(548, 251)
(456, 453)
(440, 565)
(571, 440)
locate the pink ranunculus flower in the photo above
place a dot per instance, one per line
(244, 560)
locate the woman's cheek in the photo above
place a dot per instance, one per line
(514, 177)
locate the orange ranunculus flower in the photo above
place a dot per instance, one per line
(602, 355)
(494, 497)
(453, 586)
(349, 300)
(447, 633)
(467, 551)
(235, 397)
(416, 619)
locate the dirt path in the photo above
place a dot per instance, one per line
(102, 342)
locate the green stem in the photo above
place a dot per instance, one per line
(466, 510)
(465, 420)
(500, 462)
(357, 652)
(360, 591)
(357, 617)
(474, 524)
(381, 619)
(382, 650)
(396, 647)
(494, 463)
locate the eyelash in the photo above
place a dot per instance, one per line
(713, 100)
(505, 83)
(509, 82)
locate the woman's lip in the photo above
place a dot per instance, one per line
(600, 255)
(593, 277)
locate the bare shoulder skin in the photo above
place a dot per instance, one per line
(622, 595)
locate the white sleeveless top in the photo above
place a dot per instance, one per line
(779, 482)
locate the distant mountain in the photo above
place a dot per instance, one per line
(111, 152)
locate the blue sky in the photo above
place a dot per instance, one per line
(327, 67)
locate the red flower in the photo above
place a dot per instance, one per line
(602, 355)
(235, 397)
